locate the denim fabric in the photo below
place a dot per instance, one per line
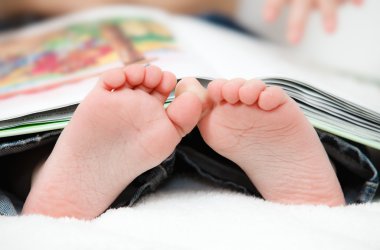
(145, 183)
(6, 205)
(358, 176)
(350, 159)
(19, 144)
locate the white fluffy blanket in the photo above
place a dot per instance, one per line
(189, 214)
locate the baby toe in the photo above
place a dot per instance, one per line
(214, 90)
(135, 74)
(153, 77)
(230, 90)
(250, 91)
(272, 98)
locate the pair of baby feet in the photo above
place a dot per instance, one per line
(122, 129)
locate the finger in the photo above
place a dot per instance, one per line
(328, 9)
(355, 2)
(358, 2)
(298, 16)
(272, 9)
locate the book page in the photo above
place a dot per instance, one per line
(56, 63)
(232, 54)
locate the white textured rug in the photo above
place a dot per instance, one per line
(190, 214)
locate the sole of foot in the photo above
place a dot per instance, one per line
(118, 132)
(264, 131)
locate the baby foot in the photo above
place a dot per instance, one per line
(118, 132)
(263, 131)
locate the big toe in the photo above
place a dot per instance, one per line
(185, 112)
(192, 85)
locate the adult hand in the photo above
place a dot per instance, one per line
(300, 11)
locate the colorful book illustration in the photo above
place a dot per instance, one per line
(80, 51)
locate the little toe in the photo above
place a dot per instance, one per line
(249, 93)
(230, 90)
(214, 90)
(271, 98)
(165, 87)
(113, 79)
(135, 74)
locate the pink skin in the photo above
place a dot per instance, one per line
(300, 11)
(263, 131)
(121, 130)
(118, 132)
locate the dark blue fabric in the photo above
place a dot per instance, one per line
(7, 207)
(357, 174)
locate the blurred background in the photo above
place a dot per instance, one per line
(352, 48)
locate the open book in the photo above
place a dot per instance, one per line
(48, 68)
